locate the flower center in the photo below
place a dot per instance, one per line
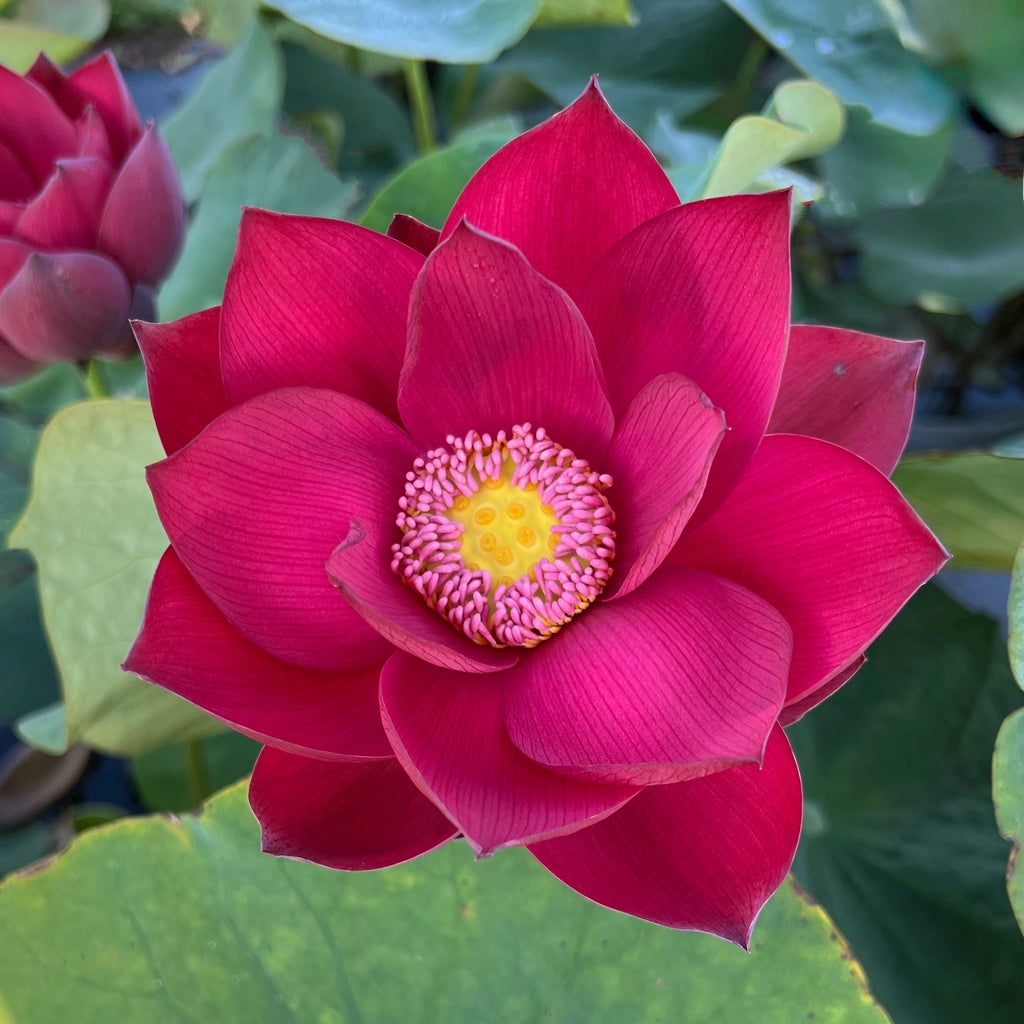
(506, 537)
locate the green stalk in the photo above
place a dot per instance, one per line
(421, 104)
(92, 380)
(464, 94)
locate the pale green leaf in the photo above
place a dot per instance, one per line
(95, 536)
(972, 501)
(1015, 618)
(555, 13)
(165, 920)
(1008, 796)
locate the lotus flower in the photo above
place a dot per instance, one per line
(91, 215)
(535, 530)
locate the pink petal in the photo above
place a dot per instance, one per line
(10, 214)
(567, 191)
(319, 303)
(183, 358)
(447, 731)
(143, 223)
(187, 646)
(12, 258)
(702, 291)
(361, 569)
(93, 140)
(827, 540)
(65, 305)
(257, 502)
(100, 84)
(797, 709)
(16, 180)
(51, 79)
(853, 389)
(351, 816)
(683, 676)
(705, 854)
(66, 214)
(32, 125)
(414, 233)
(492, 344)
(659, 460)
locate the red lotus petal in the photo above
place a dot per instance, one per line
(143, 222)
(447, 731)
(14, 366)
(99, 83)
(65, 305)
(567, 191)
(795, 711)
(319, 303)
(702, 291)
(32, 124)
(12, 258)
(17, 182)
(255, 505)
(853, 389)
(10, 214)
(683, 676)
(659, 460)
(492, 344)
(183, 359)
(355, 817)
(50, 77)
(414, 233)
(66, 213)
(187, 646)
(705, 854)
(826, 539)
(93, 139)
(360, 569)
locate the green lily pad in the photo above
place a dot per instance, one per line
(900, 844)
(1015, 618)
(238, 98)
(170, 920)
(61, 30)
(428, 187)
(960, 248)
(92, 529)
(972, 501)
(853, 50)
(451, 31)
(277, 173)
(585, 12)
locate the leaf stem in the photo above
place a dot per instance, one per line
(200, 786)
(93, 381)
(421, 104)
(746, 76)
(464, 94)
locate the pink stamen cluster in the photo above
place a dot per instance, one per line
(542, 600)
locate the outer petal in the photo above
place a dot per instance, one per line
(827, 540)
(32, 125)
(853, 389)
(143, 222)
(705, 854)
(66, 214)
(319, 303)
(18, 181)
(100, 84)
(492, 344)
(64, 305)
(702, 291)
(183, 372)
(350, 816)
(659, 460)
(255, 505)
(187, 646)
(568, 190)
(414, 233)
(447, 731)
(683, 676)
(360, 569)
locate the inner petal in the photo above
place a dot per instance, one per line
(507, 537)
